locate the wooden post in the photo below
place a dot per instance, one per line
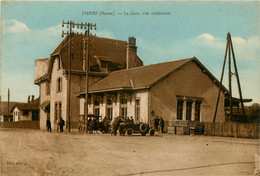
(221, 79)
(8, 114)
(229, 77)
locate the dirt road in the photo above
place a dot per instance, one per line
(33, 152)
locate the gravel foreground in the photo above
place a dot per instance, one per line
(34, 152)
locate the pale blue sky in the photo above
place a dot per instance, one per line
(32, 30)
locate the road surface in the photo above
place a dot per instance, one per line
(34, 152)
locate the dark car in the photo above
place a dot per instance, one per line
(128, 128)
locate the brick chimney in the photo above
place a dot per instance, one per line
(32, 98)
(131, 50)
(29, 99)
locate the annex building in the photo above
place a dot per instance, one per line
(177, 90)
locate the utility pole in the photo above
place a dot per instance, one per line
(86, 57)
(71, 25)
(229, 51)
(8, 114)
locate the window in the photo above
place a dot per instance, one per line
(48, 88)
(197, 110)
(59, 85)
(59, 63)
(179, 109)
(188, 110)
(58, 111)
(35, 116)
(137, 109)
(19, 115)
(96, 107)
(104, 64)
(123, 102)
(109, 108)
(25, 113)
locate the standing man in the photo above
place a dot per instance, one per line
(156, 123)
(61, 123)
(161, 124)
(131, 119)
(116, 124)
(105, 124)
(48, 125)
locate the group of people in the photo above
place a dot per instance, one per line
(129, 120)
(60, 125)
(117, 122)
(158, 124)
(93, 124)
(106, 123)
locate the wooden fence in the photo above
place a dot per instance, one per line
(21, 124)
(232, 129)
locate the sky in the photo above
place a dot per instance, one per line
(32, 30)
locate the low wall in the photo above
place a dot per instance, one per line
(21, 124)
(232, 129)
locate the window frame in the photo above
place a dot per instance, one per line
(97, 107)
(189, 109)
(137, 109)
(180, 109)
(109, 108)
(123, 106)
(197, 110)
(48, 88)
(59, 64)
(59, 84)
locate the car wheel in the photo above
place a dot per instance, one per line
(143, 127)
(143, 133)
(151, 132)
(81, 129)
(129, 132)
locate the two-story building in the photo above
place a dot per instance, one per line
(51, 74)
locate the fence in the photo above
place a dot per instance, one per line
(232, 129)
(21, 124)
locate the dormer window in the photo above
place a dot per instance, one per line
(104, 64)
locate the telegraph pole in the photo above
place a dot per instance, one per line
(86, 56)
(229, 51)
(71, 25)
(8, 106)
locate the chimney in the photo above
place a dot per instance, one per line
(29, 99)
(131, 50)
(32, 98)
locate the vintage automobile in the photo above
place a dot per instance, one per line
(128, 128)
(86, 126)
